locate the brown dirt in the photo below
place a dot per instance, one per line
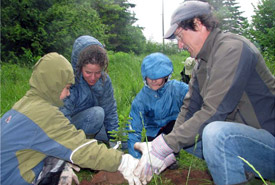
(175, 177)
(105, 178)
(179, 177)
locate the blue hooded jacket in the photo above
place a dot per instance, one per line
(83, 96)
(155, 108)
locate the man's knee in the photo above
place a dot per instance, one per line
(217, 133)
(214, 133)
(211, 130)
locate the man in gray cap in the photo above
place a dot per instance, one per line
(230, 104)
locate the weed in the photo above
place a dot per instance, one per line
(155, 177)
(251, 166)
(195, 147)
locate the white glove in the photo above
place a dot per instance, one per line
(115, 145)
(67, 176)
(161, 156)
(126, 168)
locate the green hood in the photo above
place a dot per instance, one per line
(50, 75)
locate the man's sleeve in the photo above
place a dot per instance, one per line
(223, 87)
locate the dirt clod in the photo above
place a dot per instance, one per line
(105, 178)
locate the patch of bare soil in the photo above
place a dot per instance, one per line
(176, 177)
(179, 177)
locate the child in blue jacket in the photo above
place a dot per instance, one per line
(158, 103)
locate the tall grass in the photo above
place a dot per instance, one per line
(14, 84)
(124, 70)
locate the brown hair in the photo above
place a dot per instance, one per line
(93, 54)
(209, 21)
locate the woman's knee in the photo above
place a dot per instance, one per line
(91, 120)
(98, 113)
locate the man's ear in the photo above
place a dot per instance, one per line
(197, 24)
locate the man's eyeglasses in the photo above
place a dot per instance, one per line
(177, 35)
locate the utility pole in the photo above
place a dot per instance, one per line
(162, 25)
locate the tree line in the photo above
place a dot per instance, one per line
(31, 28)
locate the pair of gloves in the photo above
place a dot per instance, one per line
(156, 157)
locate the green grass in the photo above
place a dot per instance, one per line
(124, 70)
(14, 84)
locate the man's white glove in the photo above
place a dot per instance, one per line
(127, 167)
(161, 156)
(67, 176)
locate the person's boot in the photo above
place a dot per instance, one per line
(251, 180)
(174, 166)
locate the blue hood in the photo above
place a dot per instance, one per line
(155, 66)
(81, 43)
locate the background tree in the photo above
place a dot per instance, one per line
(35, 27)
(122, 35)
(263, 29)
(229, 16)
(31, 28)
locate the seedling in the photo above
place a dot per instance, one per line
(121, 134)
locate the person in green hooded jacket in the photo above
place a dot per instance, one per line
(35, 129)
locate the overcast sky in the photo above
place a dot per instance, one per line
(149, 15)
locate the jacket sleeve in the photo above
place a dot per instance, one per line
(108, 103)
(223, 87)
(61, 139)
(136, 125)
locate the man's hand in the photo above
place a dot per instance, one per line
(67, 176)
(126, 168)
(156, 157)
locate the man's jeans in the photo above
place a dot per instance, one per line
(222, 143)
(91, 121)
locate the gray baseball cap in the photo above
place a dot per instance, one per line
(186, 10)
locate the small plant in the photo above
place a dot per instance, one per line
(121, 134)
